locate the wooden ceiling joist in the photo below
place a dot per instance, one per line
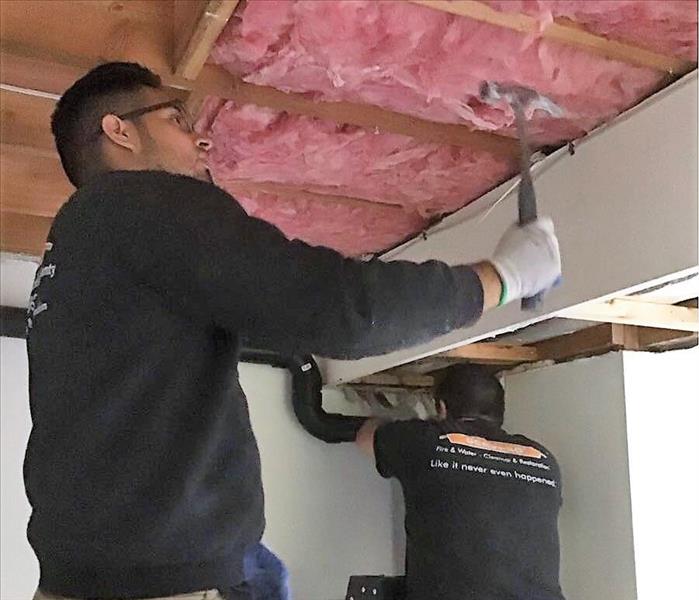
(94, 31)
(562, 31)
(588, 342)
(23, 234)
(198, 24)
(216, 81)
(44, 71)
(283, 190)
(493, 353)
(629, 311)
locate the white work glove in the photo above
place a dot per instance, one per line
(528, 259)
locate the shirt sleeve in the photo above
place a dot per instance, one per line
(196, 247)
(395, 447)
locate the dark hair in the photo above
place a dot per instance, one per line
(471, 391)
(76, 122)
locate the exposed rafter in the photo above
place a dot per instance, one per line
(215, 80)
(591, 341)
(283, 190)
(565, 32)
(198, 24)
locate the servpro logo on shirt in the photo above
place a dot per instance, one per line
(473, 441)
(514, 467)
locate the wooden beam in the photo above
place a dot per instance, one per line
(633, 312)
(26, 119)
(216, 81)
(493, 353)
(564, 32)
(284, 190)
(193, 45)
(95, 30)
(585, 342)
(32, 180)
(54, 72)
(651, 338)
(23, 234)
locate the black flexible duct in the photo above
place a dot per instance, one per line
(307, 384)
(307, 396)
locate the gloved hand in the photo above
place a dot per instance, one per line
(528, 259)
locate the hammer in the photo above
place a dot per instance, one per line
(520, 98)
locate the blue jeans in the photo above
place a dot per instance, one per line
(265, 574)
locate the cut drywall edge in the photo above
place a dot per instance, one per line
(638, 197)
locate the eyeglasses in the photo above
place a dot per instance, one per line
(182, 117)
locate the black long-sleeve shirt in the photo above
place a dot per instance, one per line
(142, 469)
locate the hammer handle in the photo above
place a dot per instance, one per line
(526, 197)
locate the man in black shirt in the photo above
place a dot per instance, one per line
(481, 505)
(142, 470)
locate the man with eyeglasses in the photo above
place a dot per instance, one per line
(142, 470)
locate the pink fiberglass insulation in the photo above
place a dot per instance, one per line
(259, 144)
(420, 180)
(424, 62)
(664, 26)
(351, 230)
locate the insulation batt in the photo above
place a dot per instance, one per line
(428, 63)
(664, 26)
(419, 61)
(259, 144)
(426, 180)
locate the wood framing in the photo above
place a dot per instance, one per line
(493, 353)
(562, 31)
(197, 26)
(628, 311)
(23, 234)
(590, 341)
(93, 31)
(215, 80)
(284, 190)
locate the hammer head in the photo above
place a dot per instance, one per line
(491, 92)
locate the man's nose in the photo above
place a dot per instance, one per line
(204, 143)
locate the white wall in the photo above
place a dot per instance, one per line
(576, 409)
(328, 514)
(20, 570)
(662, 406)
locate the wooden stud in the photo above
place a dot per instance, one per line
(216, 81)
(564, 32)
(633, 312)
(198, 25)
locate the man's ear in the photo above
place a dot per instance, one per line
(122, 133)
(441, 410)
